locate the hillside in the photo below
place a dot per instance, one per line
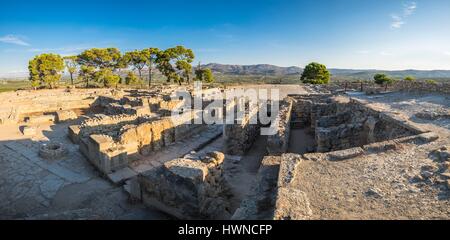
(266, 69)
(258, 69)
(272, 70)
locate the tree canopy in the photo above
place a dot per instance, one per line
(204, 75)
(410, 78)
(152, 54)
(131, 78)
(173, 59)
(138, 59)
(101, 58)
(71, 66)
(86, 73)
(107, 77)
(103, 65)
(381, 79)
(45, 69)
(315, 73)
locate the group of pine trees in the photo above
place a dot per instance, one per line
(103, 65)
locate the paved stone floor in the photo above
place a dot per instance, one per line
(68, 188)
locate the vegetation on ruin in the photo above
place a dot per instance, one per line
(315, 73)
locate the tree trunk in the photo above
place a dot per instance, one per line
(140, 76)
(150, 74)
(71, 79)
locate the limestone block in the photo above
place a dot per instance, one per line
(428, 137)
(141, 110)
(62, 116)
(41, 119)
(168, 132)
(186, 189)
(288, 168)
(195, 171)
(292, 204)
(101, 142)
(28, 131)
(216, 158)
(129, 136)
(345, 154)
(144, 134)
(157, 135)
(74, 132)
(118, 159)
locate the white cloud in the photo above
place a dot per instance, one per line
(409, 8)
(12, 39)
(65, 50)
(385, 53)
(398, 20)
(447, 53)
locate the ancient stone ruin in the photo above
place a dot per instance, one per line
(191, 170)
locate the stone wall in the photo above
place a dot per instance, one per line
(20, 104)
(109, 147)
(279, 142)
(303, 109)
(187, 189)
(396, 86)
(356, 124)
(340, 122)
(241, 135)
(260, 201)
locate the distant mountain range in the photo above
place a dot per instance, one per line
(272, 70)
(259, 69)
(267, 69)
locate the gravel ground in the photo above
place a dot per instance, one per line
(405, 183)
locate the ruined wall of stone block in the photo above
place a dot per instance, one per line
(279, 142)
(357, 124)
(19, 104)
(241, 135)
(140, 136)
(187, 189)
(260, 202)
(304, 112)
(419, 86)
(339, 137)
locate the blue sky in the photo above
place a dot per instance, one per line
(381, 34)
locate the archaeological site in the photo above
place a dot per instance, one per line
(335, 152)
